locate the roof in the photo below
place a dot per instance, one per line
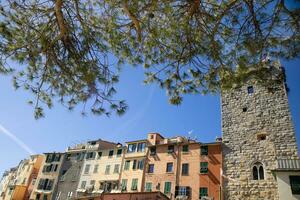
(288, 165)
(144, 140)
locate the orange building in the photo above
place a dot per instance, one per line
(210, 170)
(27, 170)
(182, 168)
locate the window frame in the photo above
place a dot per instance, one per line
(131, 148)
(119, 152)
(250, 89)
(134, 184)
(148, 186)
(150, 169)
(171, 149)
(169, 164)
(185, 148)
(110, 153)
(203, 192)
(204, 150)
(167, 187)
(257, 173)
(127, 165)
(117, 168)
(186, 171)
(87, 168)
(141, 147)
(204, 167)
(107, 170)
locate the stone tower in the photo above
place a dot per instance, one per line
(257, 131)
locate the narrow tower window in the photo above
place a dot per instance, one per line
(255, 173)
(250, 89)
(258, 171)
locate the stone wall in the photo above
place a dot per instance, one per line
(245, 117)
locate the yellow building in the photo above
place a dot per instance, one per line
(44, 185)
(133, 171)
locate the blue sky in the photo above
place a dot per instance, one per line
(149, 111)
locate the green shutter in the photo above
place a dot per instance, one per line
(134, 184)
(185, 148)
(204, 167)
(202, 192)
(127, 164)
(124, 185)
(204, 150)
(167, 189)
(149, 187)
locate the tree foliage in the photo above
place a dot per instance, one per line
(72, 49)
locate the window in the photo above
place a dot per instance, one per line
(169, 167)
(258, 171)
(55, 168)
(124, 185)
(83, 184)
(119, 152)
(87, 169)
(131, 148)
(185, 169)
(134, 184)
(70, 195)
(182, 191)
(127, 165)
(141, 147)
(107, 169)
(261, 137)
(96, 169)
(99, 154)
(90, 155)
(45, 197)
(140, 164)
(110, 153)
(151, 168)
(148, 187)
(134, 165)
(92, 182)
(185, 148)
(68, 156)
(202, 192)
(204, 150)
(167, 189)
(295, 184)
(158, 186)
(204, 167)
(152, 151)
(58, 195)
(171, 149)
(250, 89)
(116, 169)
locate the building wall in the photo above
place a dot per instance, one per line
(131, 174)
(160, 176)
(284, 188)
(46, 175)
(245, 117)
(212, 180)
(192, 179)
(101, 159)
(69, 174)
(37, 163)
